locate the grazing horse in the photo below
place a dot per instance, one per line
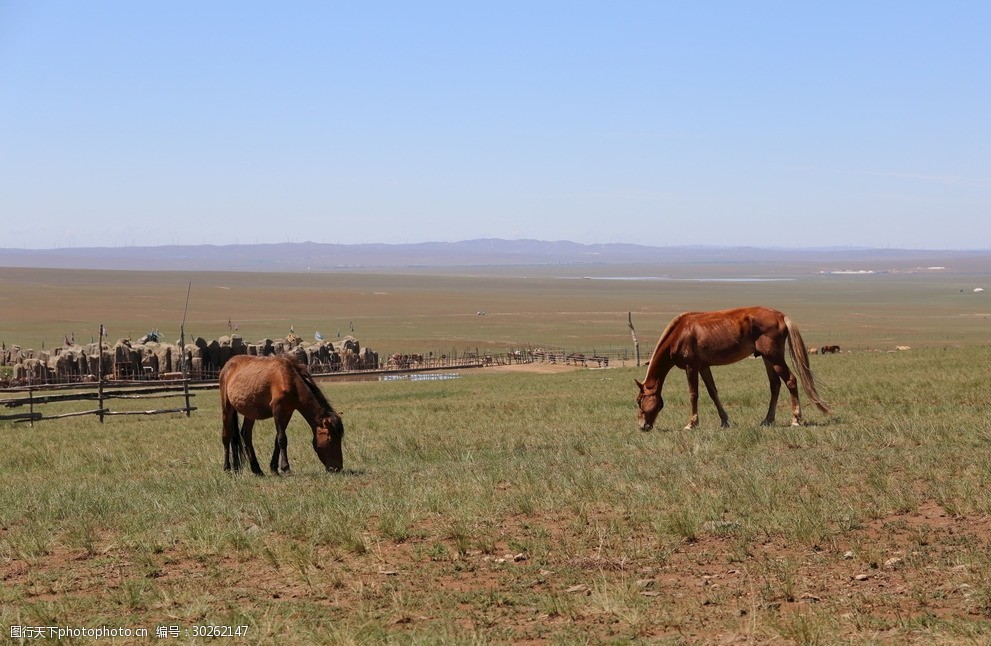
(275, 386)
(829, 349)
(696, 341)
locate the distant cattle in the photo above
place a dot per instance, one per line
(829, 349)
(405, 361)
(576, 358)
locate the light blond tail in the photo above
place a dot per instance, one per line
(800, 355)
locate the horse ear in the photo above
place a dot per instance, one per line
(638, 383)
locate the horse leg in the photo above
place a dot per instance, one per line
(779, 370)
(710, 387)
(280, 459)
(280, 456)
(693, 396)
(274, 463)
(283, 440)
(250, 446)
(791, 383)
(774, 381)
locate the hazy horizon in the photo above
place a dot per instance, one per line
(562, 241)
(661, 124)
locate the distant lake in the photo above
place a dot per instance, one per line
(371, 376)
(688, 280)
(420, 377)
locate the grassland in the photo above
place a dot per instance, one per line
(520, 506)
(576, 308)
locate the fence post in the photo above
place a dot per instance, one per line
(99, 372)
(182, 348)
(633, 333)
(185, 375)
(31, 403)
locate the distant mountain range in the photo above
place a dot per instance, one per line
(320, 257)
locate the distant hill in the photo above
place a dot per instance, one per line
(320, 257)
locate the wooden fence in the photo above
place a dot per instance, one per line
(104, 390)
(101, 392)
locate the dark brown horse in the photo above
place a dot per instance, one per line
(696, 341)
(264, 387)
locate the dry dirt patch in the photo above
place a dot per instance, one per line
(892, 579)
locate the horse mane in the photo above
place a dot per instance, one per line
(304, 373)
(664, 337)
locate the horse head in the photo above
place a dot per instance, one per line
(327, 436)
(649, 405)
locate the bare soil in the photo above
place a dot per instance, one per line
(886, 582)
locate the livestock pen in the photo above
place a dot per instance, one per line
(101, 392)
(103, 389)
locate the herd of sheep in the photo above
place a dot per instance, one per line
(152, 358)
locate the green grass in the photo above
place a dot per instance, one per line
(134, 522)
(512, 507)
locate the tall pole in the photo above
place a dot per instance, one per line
(633, 333)
(99, 371)
(182, 349)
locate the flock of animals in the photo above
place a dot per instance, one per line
(151, 357)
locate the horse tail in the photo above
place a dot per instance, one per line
(232, 426)
(238, 454)
(800, 355)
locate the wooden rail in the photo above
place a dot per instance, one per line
(108, 389)
(117, 390)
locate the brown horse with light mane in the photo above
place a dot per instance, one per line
(696, 341)
(264, 387)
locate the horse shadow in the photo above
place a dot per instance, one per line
(343, 473)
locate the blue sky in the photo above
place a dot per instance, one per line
(661, 123)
